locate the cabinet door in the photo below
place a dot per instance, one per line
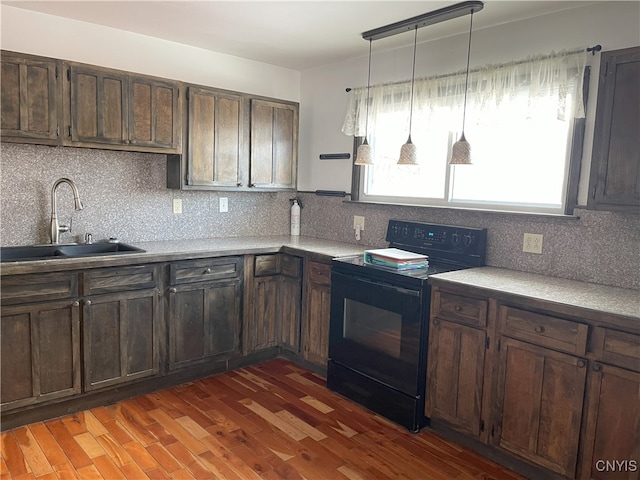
(204, 321)
(612, 439)
(274, 144)
(615, 179)
(455, 375)
(40, 352)
(315, 327)
(540, 399)
(288, 317)
(121, 338)
(98, 106)
(216, 152)
(30, 100)
(262, 330)
(154, 113)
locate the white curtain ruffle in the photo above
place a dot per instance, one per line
(557, 77)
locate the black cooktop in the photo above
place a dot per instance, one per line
(448, 247)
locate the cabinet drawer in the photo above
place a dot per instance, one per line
(108, 280)
(205, 270)
(266, 265)
(319, 273)
(544, 330)
(290, 266)
(38, 287)
(459, 308)
(618, 348)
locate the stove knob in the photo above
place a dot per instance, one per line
(405, 231)
(455, 238)
(468, 240)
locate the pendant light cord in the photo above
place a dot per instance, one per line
(366, 121)
(466, 82)
(413, 76)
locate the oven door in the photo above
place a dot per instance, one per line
(377, 330)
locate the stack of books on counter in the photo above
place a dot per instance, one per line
(396, 258)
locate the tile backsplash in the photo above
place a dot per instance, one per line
(124, 196)
(598, 247)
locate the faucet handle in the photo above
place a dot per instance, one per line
(88, 238)
(66, 228)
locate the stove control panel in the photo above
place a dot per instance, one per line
(466, 245)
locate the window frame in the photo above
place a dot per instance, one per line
(570, 202)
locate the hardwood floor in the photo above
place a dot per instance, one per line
(274, 420)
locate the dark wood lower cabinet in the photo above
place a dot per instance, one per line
(289, 313)
(40, 348)
(540, 399)
(612, 438)
(204, 321)
(264, 306)
(120, 337)
(317, 310)
(455, 375)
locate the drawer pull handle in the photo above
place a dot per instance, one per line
(75, 304)
(457, 308)
(539, 329)
(436, 321)
(581, 363)
(596, 367)
(87, 303)
(208, 270)
(172, 290)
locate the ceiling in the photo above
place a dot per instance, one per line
(294, 34)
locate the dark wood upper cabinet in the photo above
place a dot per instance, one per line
(216, 153)
(274, 144)
(30, 99)
(107, 108)
(615, 169)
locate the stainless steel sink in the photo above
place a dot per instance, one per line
(44, 252)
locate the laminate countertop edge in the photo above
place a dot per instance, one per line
(591, 298)
(176, 250)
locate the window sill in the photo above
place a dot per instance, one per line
(468, 209)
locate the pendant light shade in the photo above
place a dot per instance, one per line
(364, 154)
(461, 151)
(408, 152)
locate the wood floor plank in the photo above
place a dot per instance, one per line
(12, 455)
(270, 421)
(48, 444)
(36, 458)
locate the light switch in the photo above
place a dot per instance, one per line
(177, 205)
(224, 204)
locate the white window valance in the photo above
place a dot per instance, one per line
(556, 76)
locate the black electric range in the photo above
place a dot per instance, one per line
(380, 318)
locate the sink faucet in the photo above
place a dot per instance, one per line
(57, 229)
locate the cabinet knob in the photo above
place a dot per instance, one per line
(581, 363)
(539, 329)
(87, 302)
(596, 367)
(239, 184)
(252, 185)
(208, 270)
(436, 321)
(75, 304)
(457, 308)
(172, 290)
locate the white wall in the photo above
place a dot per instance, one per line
(50, 36)
(613, 25)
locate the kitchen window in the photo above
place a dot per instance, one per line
(520, 122)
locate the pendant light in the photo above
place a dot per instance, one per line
(408, 152)
(461, 151)
(364, 154)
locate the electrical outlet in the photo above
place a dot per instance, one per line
(358, 221)
(532, 243)
(177, 205)
(224, 204)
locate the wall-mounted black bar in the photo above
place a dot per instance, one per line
(424, 20)
(335, 156)
(331, 193)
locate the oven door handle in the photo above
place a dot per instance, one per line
(403, 291)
